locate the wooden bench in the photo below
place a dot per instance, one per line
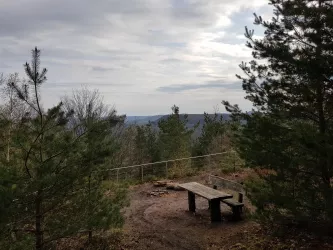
(236, 206)
(213, 196)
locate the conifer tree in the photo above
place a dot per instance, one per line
(174, 136)
(290, 130)
(175, 139)
(213, 129)
(48, 193)
(146, 142)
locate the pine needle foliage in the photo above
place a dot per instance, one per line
(289, 133)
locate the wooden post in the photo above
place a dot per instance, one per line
(166, 169)
(236, 213)
(209, 205)
(215, 210)
(234, 163)
(240, 197)
(141, 173)
(191, 201)
(117, 174)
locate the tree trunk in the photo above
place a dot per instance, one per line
(90, 211)
(90, 237)
(324, 163)
(38, 222)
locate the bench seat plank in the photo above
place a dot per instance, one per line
(204, 191)
(233, 203)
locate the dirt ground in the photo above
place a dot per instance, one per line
(164, 223)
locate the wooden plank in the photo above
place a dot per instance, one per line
(204, 191)
(233, 203)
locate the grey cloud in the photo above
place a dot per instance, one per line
(171, 60)
(140, 43)
(192, 12)
(207, 85)
(230, 38)
(205, 75)
(62, 52)
(114, 54)
(31, 17)
(3, 66)
(101, 69)
(242, 19)
(28, 18)
(76, 85)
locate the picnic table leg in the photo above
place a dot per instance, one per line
(236, 213)
(215, 210)
(215, 187)
(191, 201)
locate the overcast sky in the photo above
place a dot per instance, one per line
(142, 55)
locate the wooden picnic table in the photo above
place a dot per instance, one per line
(212, 195)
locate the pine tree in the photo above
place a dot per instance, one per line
(213, 129)
(146, 141)
(175, 138)
(289, 131)
(49, 191)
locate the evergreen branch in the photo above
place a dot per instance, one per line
(28, 71)
(297, 37)
(28, 154)
(42, 76)
(30, 149)
(26, 151)
(23, 97)
(35, 62)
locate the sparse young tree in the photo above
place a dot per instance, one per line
(290, 130)
(11, 111)
(91, 114)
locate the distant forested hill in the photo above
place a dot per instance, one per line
(141, 120)
(193, 119)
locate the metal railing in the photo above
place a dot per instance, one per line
(140, 170)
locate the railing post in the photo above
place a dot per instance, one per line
(166, 169)
(234, 161)
(141, 173)
(117, 174)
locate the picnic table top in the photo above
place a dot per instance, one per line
(204, 191)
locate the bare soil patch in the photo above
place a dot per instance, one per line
(163, 222)
(158, 219)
